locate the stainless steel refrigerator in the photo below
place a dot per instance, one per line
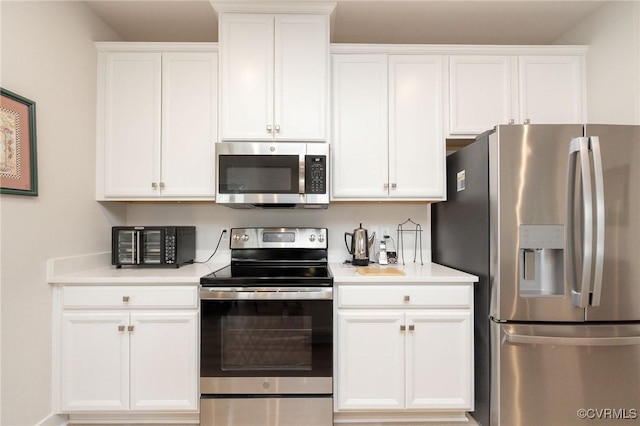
(548, 216)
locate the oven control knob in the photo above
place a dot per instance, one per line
(312, 237)
(321, 238)
(245, 237)
(236, 238)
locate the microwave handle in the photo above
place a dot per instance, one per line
(301, 173)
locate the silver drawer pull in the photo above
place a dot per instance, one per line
(121, 328)
(125, 298)
(403, 328)
(412, 327)
(407, 298)
(130, 328)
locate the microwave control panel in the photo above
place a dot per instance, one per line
(315, 174)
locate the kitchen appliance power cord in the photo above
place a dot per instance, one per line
(224, 231)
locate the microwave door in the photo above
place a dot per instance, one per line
(128, 247)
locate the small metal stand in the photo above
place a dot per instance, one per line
(417, 231)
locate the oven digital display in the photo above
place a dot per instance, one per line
(278, 237)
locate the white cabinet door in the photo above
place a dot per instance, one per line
(164, 361)
(551, 89)
(246, 76)
(132, 124)
(416, 138)
(189, 117)
(370, 360)
(301, 77)
(274, 76)
(439, 360)
(360, 123)
(95, 362)
(482, 93)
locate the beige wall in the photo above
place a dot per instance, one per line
(613, 62)
(48, 57)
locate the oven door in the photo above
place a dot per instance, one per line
(264, 342)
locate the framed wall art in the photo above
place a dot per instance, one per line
(18, 159)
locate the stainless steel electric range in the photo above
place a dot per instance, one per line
(266, 348)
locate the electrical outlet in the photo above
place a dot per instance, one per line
(225, 234)
(385, 231)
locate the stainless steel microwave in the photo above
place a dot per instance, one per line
(276, 175)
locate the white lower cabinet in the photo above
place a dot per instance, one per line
(128, 349)
(404, 350)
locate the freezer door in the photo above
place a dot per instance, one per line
(618, 297)
(565, 375)
(528, 188)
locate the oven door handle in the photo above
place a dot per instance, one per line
(267, 293)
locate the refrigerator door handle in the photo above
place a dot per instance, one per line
(572, 341)
(594, 143)
(580, 295)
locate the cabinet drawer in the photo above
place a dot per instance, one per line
(130, 297)
(438, 295)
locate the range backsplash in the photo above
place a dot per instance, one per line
(339, 218)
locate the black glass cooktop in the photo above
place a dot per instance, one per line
(269, 275)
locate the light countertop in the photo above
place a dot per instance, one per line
(96, 269)
(413, 273)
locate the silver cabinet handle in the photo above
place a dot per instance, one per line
(403, 328)
(161, 185)
(527, 121)
(394, 185)
(125, 298)
(277, 128)
(407, 298)
(121, 328)
(154, 185)
(269, 128)
(412, 327)
(386, 186)
(512, 121)
(130, 328)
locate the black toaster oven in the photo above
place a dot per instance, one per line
(159, 246)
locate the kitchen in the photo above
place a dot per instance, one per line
(64, 220)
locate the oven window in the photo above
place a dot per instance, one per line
(259, 174)
(274, 338)
(266, 343)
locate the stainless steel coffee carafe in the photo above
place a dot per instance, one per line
(361, 245)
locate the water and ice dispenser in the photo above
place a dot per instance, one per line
(541, 260)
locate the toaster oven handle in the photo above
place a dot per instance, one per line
(137, 248)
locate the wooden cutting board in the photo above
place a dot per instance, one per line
(376, 270)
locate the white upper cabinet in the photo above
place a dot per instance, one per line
(388, 142)
(360, 126)
(552, 89)
(274, 76)
(516, 88)
(157, 122)
(416, 148)
(482, 92)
